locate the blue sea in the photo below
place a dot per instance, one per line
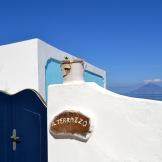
(148, 96)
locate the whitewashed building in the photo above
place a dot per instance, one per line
(116, 128)
(35, 64)
(83, 120)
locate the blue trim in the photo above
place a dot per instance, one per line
(91, 77)
(53, 73)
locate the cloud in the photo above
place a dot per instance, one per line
(153, 81)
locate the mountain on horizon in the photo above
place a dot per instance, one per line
(148, 89)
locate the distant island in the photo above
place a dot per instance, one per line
(147, 91)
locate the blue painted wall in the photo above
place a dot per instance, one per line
(91, 77)
(54, 75)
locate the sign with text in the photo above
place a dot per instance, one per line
(71, 124)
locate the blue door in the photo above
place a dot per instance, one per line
(23, 128)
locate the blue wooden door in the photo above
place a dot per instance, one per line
(25, 114)
(5, 128)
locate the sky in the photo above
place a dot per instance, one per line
(123, 37)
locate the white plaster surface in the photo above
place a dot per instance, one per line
(46, 51)
(18, 66)
(124, 129)
(22, 65)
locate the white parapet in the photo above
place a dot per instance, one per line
(124, 129)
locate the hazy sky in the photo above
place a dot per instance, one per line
(124, 37)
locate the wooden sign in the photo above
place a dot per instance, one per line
(71, 124)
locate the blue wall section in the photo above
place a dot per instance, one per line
(54, 75)
(91, 77)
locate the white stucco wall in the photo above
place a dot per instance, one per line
(124, 129)
(18, 66)
(22, 65)
(46, 51)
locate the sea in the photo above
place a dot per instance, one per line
(147, 96)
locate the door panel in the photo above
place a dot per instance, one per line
(32, 129)
(5, 128)
(29, 117)
(29, 131)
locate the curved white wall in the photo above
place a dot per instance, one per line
(124, 129)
